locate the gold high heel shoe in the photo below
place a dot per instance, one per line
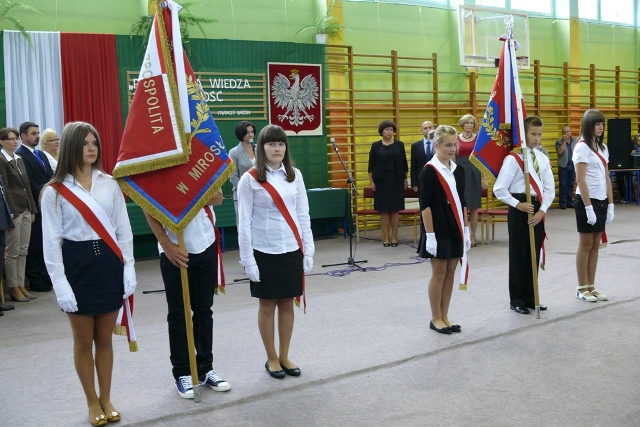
(113, 417)
(98, 421)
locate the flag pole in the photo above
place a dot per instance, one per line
(525, 157)
(195, 382)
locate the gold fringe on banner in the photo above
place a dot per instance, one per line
(148, 207)
(133, 346)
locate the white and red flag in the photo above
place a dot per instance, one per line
(172, 158)
(502, 126)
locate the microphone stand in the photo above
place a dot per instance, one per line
(354, 191)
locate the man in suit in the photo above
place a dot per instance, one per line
(421, 153)
(40, 172)
(6, 223)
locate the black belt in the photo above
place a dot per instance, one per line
(521, 197)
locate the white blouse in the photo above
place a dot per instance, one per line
(511, 180)
(596, 180)
(261, 226)
(53, 162)
(199, 234)
(61, 220)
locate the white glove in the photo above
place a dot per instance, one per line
(467, 239)
(67, 302)
(591, 215)
(307, 263)
(610, 214)
(129, 288)
(432, 245)
(252, 273)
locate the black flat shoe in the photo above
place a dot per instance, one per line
(275, 374)
(294, 372)
(386, 245)
(455, 328)
(521, 310)
(542, 308)
(394, 244)
(446, 330)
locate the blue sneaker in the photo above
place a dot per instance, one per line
(185, 387)
(215, 382)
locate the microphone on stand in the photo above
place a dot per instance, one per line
(253, 145)
(333, 142)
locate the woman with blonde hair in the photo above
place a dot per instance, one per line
(50, 144)
(444, 215)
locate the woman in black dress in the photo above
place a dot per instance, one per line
(388, 169)
(444, 215)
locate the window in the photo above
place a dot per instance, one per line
(538, 6)
(588, 9)
(620, 11)
(491, 3)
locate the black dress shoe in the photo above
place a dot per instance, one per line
(6, 307)
(542, 307)
(294, 372)
(455, 328)
(571, 206)
(521, 310)
(446, 330)
(563, 207)
(275, 374)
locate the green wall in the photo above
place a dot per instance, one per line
(374, 28)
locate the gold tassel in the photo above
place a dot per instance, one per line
(133, 346)
(297, 303)
(222, 289)
(603, 245)
(120, 330)
(463, 286)
(215, 291)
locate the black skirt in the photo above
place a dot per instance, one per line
(600, 209)
(280, 275)
(95, 274)
(448, 247)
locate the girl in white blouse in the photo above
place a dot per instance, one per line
(594, 201)
(89, 278)
(270, 252)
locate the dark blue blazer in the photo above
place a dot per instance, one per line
(38, 176)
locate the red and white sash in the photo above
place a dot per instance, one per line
(535, 182)
(286, 210)
(97, 218)
(449, 185)
(603, 168)
(220, 281)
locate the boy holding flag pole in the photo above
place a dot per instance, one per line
(171, 138)
(501, 132)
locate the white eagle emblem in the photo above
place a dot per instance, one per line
(295, 98)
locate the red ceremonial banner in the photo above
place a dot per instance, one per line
(295, 97)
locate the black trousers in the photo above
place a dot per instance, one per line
(35, 268)
(520, 273)
(203, 274)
